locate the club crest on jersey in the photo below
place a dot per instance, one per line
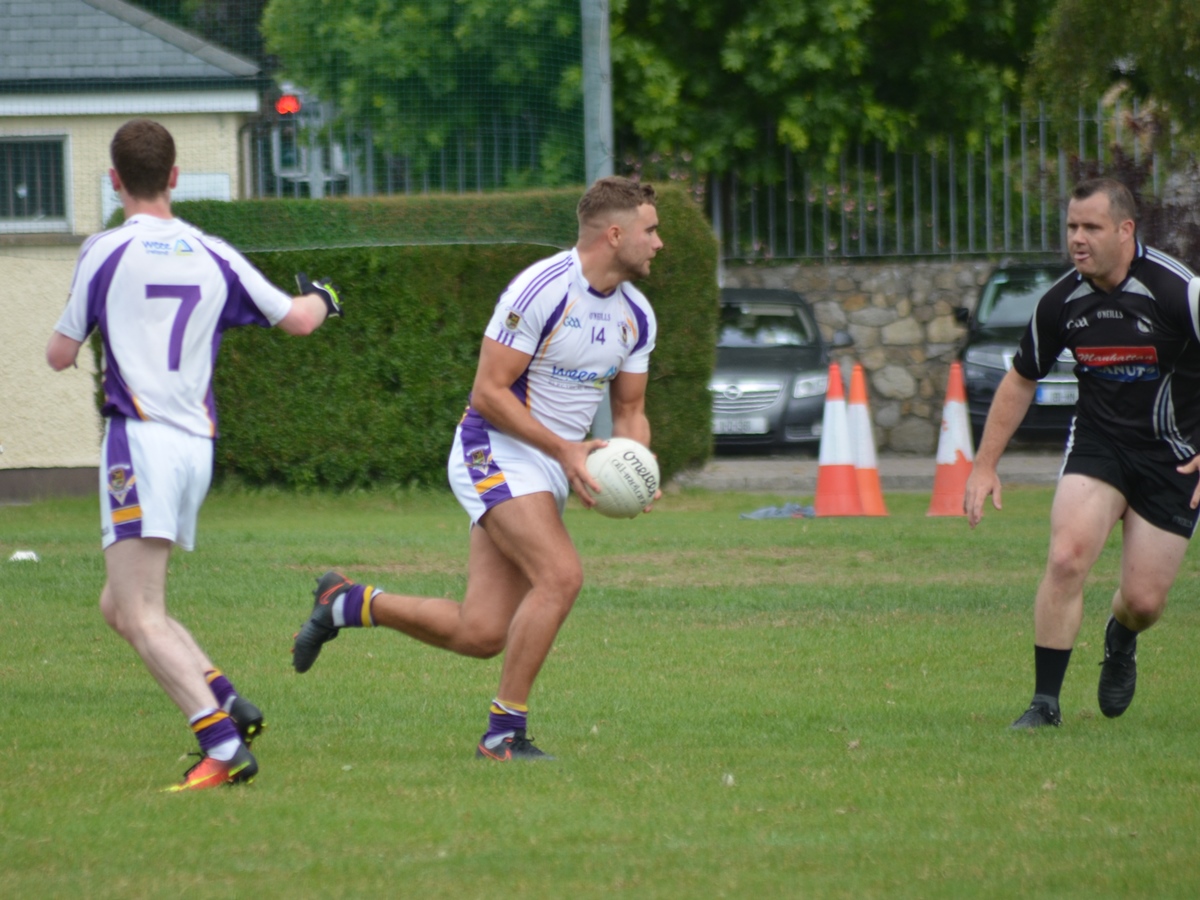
(624, 334)
(1144, 326)
(1126, 364)
(120, 482)
(479, 459)
(512, 320)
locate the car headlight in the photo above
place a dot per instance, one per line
(989, 357)
(810, 386)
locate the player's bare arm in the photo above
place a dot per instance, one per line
(307, 314)
(62, 351)
(1008, 409)
(627, 398)
(492, 397)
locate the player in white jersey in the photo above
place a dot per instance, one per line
(161, 293)
(562, 330)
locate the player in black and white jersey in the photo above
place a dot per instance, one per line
(564, 328)
(1131, 317)
(161, 292)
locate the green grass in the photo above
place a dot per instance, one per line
(798, 708)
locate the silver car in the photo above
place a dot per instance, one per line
(772, 370)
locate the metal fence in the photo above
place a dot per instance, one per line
(1004, 193)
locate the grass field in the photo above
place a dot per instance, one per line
(797, 708)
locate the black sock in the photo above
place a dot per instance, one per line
(1118, 637)
(1049, 668)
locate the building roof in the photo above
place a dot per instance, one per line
(57, 44)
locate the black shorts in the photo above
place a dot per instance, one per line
(1146, 478)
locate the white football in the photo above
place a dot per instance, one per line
(627, 474)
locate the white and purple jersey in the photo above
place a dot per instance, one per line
(578, 338)
(162, 292)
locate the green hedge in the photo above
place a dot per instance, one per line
(374, 398)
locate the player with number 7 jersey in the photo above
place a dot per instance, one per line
(161, 293)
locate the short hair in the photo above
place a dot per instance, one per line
(143, 153)
(613, 194)
(1121, 204)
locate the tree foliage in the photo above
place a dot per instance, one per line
(420, 71)
(715, 78)
(1149, 47)
(231, 24)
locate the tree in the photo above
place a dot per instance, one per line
(422, 72)
(231, 24)
(720, 79)
(1149, 48)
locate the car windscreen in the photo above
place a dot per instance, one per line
(1010, 300)
(765, 325)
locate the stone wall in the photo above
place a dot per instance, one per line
(901, 316)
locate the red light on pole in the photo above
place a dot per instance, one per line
(288, 103)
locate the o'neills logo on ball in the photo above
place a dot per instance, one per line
(640, 467)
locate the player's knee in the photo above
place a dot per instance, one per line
(1066, 560)
(483, 645)
(563, 584)
(1145, 605)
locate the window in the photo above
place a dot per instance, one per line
(32, 182)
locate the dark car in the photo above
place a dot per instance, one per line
(772, 370)
(1006, 304)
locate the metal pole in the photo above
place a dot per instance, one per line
(597, 91)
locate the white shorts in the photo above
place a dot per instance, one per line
(487, 467)
(153, 478)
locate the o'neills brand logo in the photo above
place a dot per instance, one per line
(641, 469)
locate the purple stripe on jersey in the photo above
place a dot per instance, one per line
(118, 399)
(122, 482)
(239, 310)
(540, 282)
(552, 320)
(643, 324)
(486, 476)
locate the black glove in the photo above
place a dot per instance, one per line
(324, 289)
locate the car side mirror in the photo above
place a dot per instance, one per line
(841, 339)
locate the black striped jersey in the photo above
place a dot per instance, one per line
(1137, 351)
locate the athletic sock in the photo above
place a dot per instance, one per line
(222, 688)
(1050, 668)
(505, 717)
(1118, 637)
(217, 734)
(352, 608)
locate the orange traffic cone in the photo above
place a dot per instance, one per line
(866, 469)
(837, 485)
(954, 452)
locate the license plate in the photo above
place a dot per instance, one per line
(749, 425)
(1057, 394)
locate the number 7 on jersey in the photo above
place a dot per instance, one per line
(188, 296)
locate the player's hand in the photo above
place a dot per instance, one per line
(980, 483)
(1189, 468)
(573, 459)
(324, 289)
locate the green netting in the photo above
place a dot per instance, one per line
(305, 99)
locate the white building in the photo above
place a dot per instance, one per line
(71, 72)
